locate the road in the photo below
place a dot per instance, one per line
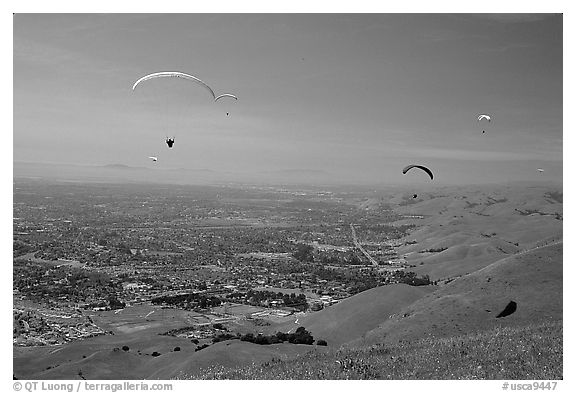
(359, 246)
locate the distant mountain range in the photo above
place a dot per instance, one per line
(117, 172)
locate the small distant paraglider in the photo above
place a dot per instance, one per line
(540, 170)
(153, 158)
(483, 116)
(170, 142)
(226, 95)
(422, 167)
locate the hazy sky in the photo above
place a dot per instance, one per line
(357, 96)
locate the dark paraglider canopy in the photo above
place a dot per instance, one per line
(170, 142)
(428, 171)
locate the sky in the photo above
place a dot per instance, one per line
(355, 97)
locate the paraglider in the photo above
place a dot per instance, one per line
(226, 95)
(169, 105)
(153, 158)
(428, 171)
(174, 74)
(484, 116)
(540, 170)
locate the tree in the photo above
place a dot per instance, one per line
(304, 253)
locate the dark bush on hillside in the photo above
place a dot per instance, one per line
(223, 337)
(322, 343)
(301, 336)
(195, 341)
(155, 353)
(440, 249)
(176, 349)
(412, 279)
(274, 340)
(125, 348)
(201, 347)
(247, 337)
(282, 336)
(261, 340)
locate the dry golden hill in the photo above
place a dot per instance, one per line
(104, 358)
(464, 229)
(228, 354)
(533, 280)
(353, 317)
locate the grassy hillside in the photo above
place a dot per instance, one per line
(532, 279)
(227, 354)
(105, 359)
(470, 227)
(98, 357)
(531, 351)
(353, 317)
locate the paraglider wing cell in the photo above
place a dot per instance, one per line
(174, 74)
(428, 171)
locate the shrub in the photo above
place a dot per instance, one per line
(247, 337)
(322, 342)
(125, 348)
(261, 340)
(176, 349)
(155, 353)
